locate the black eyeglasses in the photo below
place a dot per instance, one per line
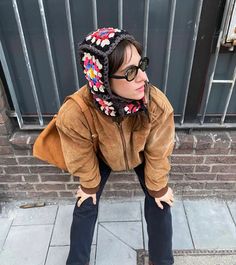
(132, 72)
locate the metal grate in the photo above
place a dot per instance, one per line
(39, 119)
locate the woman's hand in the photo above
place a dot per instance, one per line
(83, 196)
(168, 198)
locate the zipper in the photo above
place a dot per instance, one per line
(119, 125)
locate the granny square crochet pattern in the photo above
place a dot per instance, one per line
(94, 51)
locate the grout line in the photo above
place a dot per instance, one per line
(118, 238)
(7, 233)
(142, 222)
(96, 245)
(227, 205)
(194, 247)
(50, 240)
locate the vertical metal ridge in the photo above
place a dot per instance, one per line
(27, 60)
(72, 46)
(145, 30)
(49, 51)
(190, 64)
(169, 43)
(215, 58)
(10, 86)
(120, 14)
(95, 14)
(229, 96)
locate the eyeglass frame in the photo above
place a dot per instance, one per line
(134, 66)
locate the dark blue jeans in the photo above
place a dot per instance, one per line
(159, 225)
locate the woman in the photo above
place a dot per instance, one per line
(134, 130)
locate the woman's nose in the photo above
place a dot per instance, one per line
(141, 76)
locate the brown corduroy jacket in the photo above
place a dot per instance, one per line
(120, 146)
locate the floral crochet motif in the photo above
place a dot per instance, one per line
(102, 36)
(131, 108)
(106, 106)
(92, 68)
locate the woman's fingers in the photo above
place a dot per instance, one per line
(80, 201)
(159, 204)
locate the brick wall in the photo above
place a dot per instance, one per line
(203, 164)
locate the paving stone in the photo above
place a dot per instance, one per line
(211, 224)
(232, 207)
(181, 234)
(57, 255)
(34, 216)
(26, 245)
(128, 232)
(113, 251)
(5, 224)
(61, 232)
(119, 211)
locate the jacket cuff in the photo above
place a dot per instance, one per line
(89, 190)
(159, 193)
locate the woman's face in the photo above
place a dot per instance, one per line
(135, 88)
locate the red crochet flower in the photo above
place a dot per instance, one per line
(102, 36)
(131, 108)
(106, 106)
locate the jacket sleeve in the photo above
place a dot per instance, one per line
(158, 148)
(77, 147)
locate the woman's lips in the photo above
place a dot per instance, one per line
(140, 89)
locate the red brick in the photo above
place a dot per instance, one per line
(117, 193)
(187, 159)
(200, 176)
(7, 161)
(6, 128)
(72, 186)
(226, 177)
(16, 169)
(202, 168)
(122, 177)
(21, 187)
(4, 140)
(177, 177)
(13, 195)
(10, 178)
(6, 150)
(213, 151)
(30, 178)
(220, 159)
(3, 117)
(44, 169)
(183, 151)
(190, 185)
(20, 140)
(220, 185)
(60, 178)
(221, 140)
(21, 152)
(3, 187)
(50, 187)
(224, 169)
(126, 186)
(186, 141)
(182, 168)
(204, 141)
(65, 194)
(50, 194)
(29, 160)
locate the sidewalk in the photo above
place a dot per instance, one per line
(204, 233)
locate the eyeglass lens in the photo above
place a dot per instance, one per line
(133, 71)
